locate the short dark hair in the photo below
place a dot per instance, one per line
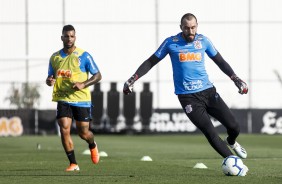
(68, 28)
(188, 16)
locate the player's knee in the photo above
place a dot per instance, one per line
(65, 131)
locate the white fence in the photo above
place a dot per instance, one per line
(120, 34)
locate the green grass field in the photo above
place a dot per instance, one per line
(174, 157)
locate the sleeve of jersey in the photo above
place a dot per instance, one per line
(50, 69)
(211, 50)
(90, 64)
(162, 51)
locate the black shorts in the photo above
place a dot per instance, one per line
(77, 113)
(199, 106)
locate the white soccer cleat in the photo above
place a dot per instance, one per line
(244, 171)
(238, 149)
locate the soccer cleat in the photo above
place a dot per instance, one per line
(239, 150)
(95, 157)
(244, 171)
(72, 167)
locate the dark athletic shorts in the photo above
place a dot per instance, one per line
(77, 113)
(199, 106)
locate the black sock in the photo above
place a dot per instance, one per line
(230, 142)
(71, 157)
(92, 145)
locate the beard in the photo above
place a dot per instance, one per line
(68, 46)
(189, 37)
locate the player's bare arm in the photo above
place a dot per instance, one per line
(91, 81)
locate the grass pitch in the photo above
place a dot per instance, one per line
(174, 157)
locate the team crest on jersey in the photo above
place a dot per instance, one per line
(175, 39)
(197, 44)
(188, 109)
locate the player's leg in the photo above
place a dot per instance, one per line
(219, 110)
(82, 115)
(196, 112)
(64, 120)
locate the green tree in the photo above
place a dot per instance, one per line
(24, 97)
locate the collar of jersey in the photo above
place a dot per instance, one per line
(63, 54)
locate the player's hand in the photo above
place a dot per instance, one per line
(241, 85)
(128, 85)
(78, 85)
(50, 81)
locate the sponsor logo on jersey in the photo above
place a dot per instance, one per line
(200, 37)
(197, 44)
(193, 85)
(60, 94)
(190, 56)
(64, 73)
(175, 39)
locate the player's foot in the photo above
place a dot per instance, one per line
(72, 167)
(239, 150)
(95, 154)
(244, 171)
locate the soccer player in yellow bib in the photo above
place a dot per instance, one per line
(68, 73)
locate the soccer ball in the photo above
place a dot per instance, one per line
(232, 166)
